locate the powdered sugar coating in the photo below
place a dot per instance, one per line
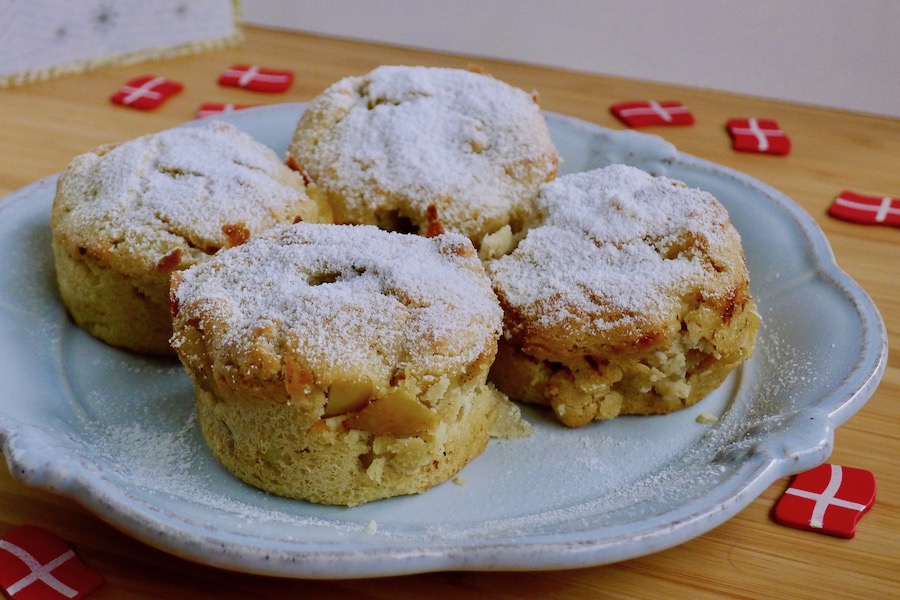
(614, 252)
(402, 139)
(351, 298)
(136, 202)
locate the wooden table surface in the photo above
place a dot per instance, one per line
(43, 125)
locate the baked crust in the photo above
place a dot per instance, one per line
(629, 295)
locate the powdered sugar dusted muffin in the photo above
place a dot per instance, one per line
(426, 150)
(126, 216)
(342, 364)
(629, 296)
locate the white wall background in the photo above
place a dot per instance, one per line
(837, 53)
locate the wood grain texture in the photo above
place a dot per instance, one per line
(44, 125)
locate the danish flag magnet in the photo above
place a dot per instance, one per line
(644, 113)
(758, 135)
(868, 210)
(145, 92)
(258, 79)
(35, 564)
(208, 109)
(829, 499)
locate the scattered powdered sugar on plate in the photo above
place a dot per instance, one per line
(148, 455)
(158, 448)
(639, 471)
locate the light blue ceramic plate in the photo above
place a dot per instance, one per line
(116, 432)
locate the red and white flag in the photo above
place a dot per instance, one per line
(35, 564)
(145, 92)
(208, 109)
(758, 135)
(644, 113)
(868, 210)
(258, 79)
(829, 499)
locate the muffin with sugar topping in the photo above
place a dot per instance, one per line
(126, 216)
(629, 295)
(426, 150)
(343, 364)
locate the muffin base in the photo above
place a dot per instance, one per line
(112, 307)
(274, 446)
(658, 380)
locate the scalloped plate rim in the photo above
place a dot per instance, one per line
(291, 558)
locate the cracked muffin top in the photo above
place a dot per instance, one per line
(343, 303)
(612, 260)
(166, 201)
(426, 150)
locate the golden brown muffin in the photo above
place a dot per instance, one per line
(426, 150)
(342, 364)
(126, 216)
(630, 295)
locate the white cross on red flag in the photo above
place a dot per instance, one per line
(829, 499)
(258, 79)
(645, 113)
(868, 210)
(208, 109)
(145, 92)
(35, 564)
(758, 135)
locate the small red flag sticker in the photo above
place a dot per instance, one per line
(35, 564)
(146, 92)
(646, 113)
(758, 135)
(258, 79)
(829, 499)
